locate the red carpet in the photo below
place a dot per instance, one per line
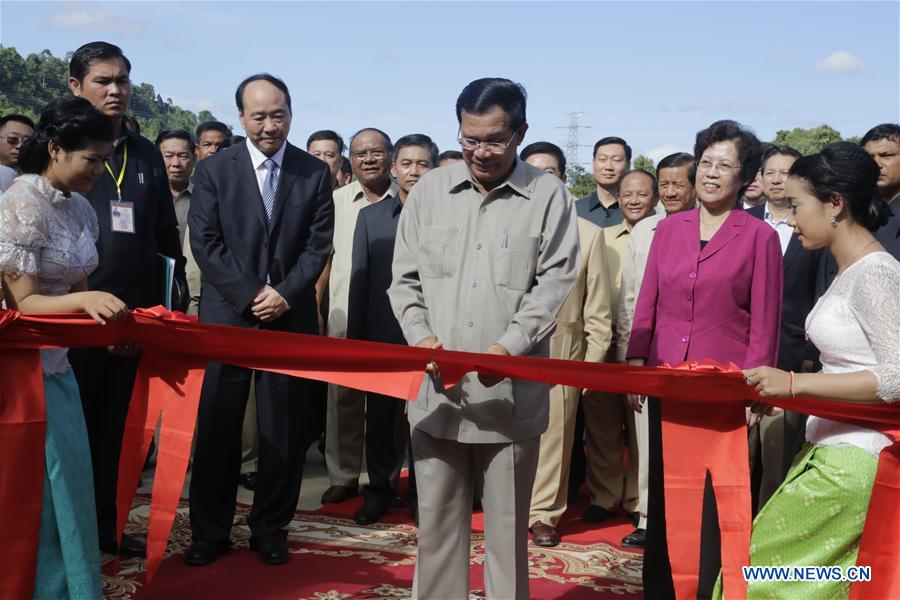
(333, 559)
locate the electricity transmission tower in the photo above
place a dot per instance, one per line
(572, 134)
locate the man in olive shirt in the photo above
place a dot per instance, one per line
(486, 253)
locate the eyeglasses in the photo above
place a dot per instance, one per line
(15, 141)
(471, 144)
(722, 166)
(362, 154)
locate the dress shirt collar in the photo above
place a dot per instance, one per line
(257, 158)
(767, 215)
(617, 231)
(517, 180)
(360, 193)
(594, 203)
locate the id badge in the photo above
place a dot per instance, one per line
(122, 216)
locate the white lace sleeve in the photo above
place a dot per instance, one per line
(876, 302)
(22, 232)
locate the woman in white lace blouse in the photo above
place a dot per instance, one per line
(816, 517)
(47, 249)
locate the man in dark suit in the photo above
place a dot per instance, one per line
(370, 317)
(261, 222)
(776, 439)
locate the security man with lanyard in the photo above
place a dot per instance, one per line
(137, 224)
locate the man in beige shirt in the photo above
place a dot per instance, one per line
(583, 332)
(676, 193)
(370, 157)
(486, 253)
(608, 424)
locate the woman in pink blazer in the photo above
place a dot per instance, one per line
(712, 288)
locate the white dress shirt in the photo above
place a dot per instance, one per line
(782, 228)
(258, 159)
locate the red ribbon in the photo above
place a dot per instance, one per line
(704, 407)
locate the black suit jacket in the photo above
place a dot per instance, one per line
(236, 248)
(801, 272)
(129, 264)
(369, 313)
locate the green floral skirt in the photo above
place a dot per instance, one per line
(815, 518)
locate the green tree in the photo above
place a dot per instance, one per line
(581, 183)
(807, 141)
(645, 163)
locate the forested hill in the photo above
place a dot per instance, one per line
(28, 84)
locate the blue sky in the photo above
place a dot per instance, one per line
(652, 72)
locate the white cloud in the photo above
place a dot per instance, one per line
(841, 62)
(87, 18)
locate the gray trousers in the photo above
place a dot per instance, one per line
(446, 472)
(344, 426)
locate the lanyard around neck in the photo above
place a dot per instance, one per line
(118, 180)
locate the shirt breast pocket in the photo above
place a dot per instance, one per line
(517, 261)
(437, 248)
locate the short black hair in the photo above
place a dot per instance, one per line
(545, 148)
(326, 135)
(16, 118)
(679, 159)
(175, 134)
(748, 146)
(239, 93)
(885, 131)
(653, 182)
(484, 94)
(450, 154)
(212, 126)
(846, 169)
(387, 139)
(232, 140)
(775, 150)
(81, 60)
(346, 167)
(416, 139)
(613, 140)
(71, 122)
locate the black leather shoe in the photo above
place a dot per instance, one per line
(271, 551)
(635, 518)
(635, 539)
(129, 548)
(203, 552)
(249, 480)
(339, 493)
(398, 502)
(371, 511)
(595, 514)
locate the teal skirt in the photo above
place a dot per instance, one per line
(815, 518)
(68, 551)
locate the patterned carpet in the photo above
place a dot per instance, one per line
(335, 559)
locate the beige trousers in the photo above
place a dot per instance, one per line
(446, 471)
(551, 483)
